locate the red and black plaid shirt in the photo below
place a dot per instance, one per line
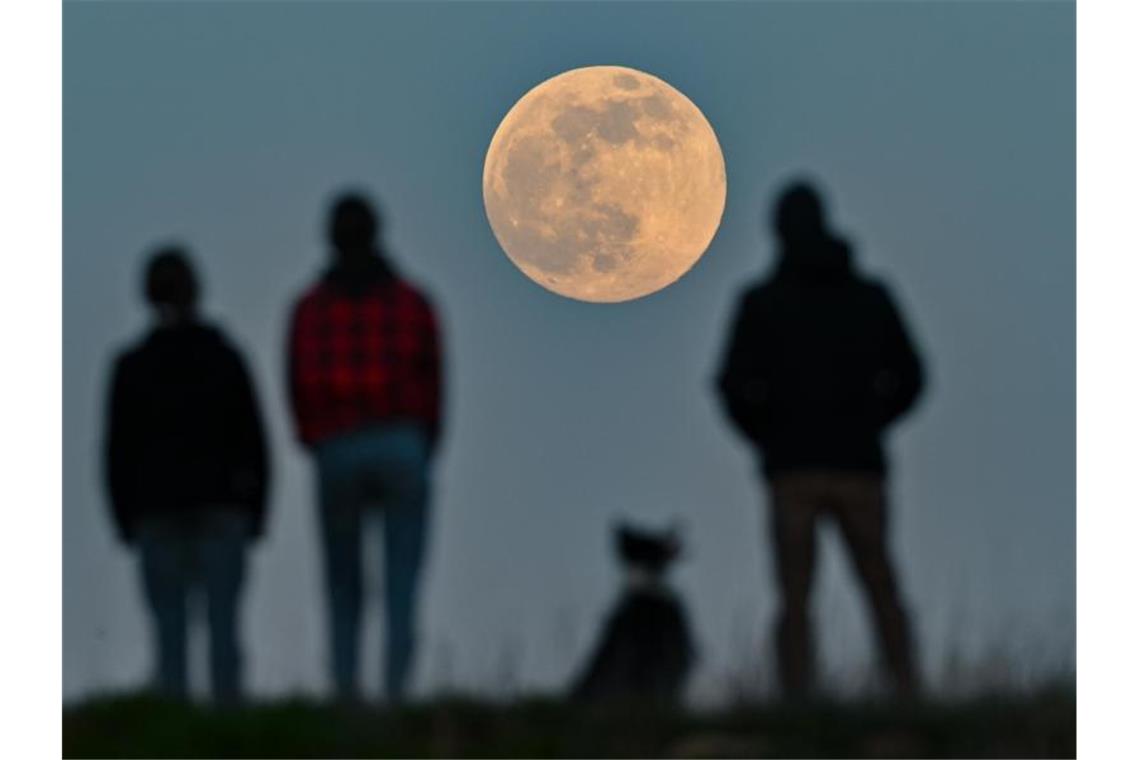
(359, 359)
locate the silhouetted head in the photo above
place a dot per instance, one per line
(799, 214)
(170, 285)
(644, 550)
(353, 224)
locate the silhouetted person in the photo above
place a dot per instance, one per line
(819, 364)
(645, 651)
(187, 471)
(365, 385)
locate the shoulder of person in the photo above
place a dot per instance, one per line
(312, 292)
(127, 357)
(307, 302)
(223, 340)
(875, 288)
(135, 353)
(415, 293)
(214, 343)
(755, 294)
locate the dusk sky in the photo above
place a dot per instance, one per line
(944, 135)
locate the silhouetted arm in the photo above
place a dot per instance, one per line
(292, 368)
(900, 380)
(741, 383)
(432, 374)
(251, 459)
(119, 452)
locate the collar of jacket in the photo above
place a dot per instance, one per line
(824, 260)
(357, 274)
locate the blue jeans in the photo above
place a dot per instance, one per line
(181, 556)
(385, 467)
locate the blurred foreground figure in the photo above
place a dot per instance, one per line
(645, 651)
(187, 471)
(365, 385)
(818, 365)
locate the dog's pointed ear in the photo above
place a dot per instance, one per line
(674, 537)
(623, 536)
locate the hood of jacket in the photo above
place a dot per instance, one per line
(824, 260)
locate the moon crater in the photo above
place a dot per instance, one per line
(604, 184)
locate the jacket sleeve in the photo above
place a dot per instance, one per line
(120, 445)
(741, 382)
(900, 379)
(292, 371)
(432, 374)
(251, 459)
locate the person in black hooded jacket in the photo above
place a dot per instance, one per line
(818, 365)
(187, 471)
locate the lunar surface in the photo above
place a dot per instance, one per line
(604, 184)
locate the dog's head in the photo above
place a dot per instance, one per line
(648, 550)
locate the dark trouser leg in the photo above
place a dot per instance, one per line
(222, 557)
(166, 584)
(340, 518)
(404, 533)
(403, 454)
(860, 509)
(793, 518)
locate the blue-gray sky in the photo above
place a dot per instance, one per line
(944, 133)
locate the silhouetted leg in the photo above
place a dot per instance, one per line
(861, 512)
(793, 517)
(222, 554)
(165, 581)
(340, 518)
(405, 532)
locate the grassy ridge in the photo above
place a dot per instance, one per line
(1040, 725)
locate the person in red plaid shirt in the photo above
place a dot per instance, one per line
(365, 388)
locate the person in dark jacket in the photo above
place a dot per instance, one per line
(818, 366)
(365, 384)
(187, 472)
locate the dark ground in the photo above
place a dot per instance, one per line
(1038, 725)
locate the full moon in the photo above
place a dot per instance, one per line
(604, 184)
